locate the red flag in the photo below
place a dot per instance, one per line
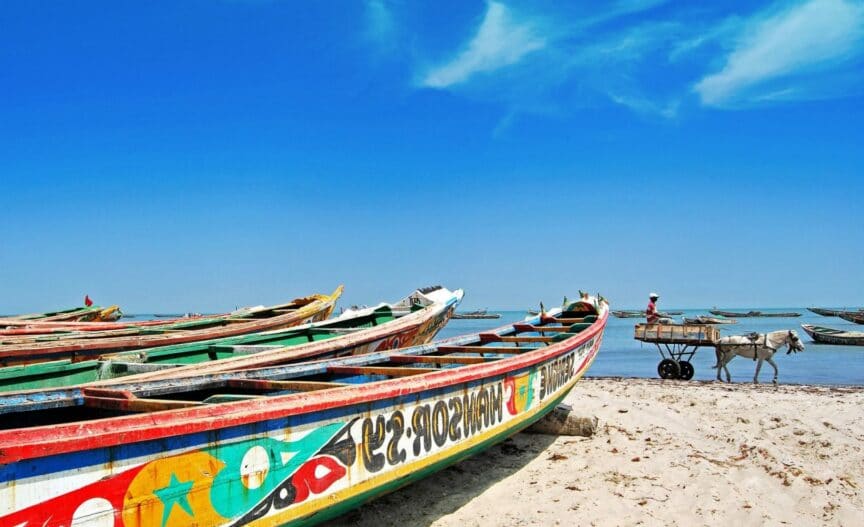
(87, 301)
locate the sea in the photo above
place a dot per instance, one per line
(622, 356)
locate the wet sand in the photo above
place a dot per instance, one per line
(666, 453)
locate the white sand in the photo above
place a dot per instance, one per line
(666, 453)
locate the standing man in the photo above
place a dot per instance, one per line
(651, 314)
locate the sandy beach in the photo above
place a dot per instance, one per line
(665, 453)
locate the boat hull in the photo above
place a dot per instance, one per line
(833, 336)
(287, 460)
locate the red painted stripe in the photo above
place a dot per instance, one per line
(36, 442)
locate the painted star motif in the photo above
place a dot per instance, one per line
(176, 492)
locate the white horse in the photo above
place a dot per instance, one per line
(759, 347)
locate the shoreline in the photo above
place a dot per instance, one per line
(665, 453)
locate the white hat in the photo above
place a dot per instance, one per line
(653, 295)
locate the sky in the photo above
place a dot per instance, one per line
(201, 155)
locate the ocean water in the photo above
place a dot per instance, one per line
(621, 355)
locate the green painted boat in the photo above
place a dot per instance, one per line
(355, 331)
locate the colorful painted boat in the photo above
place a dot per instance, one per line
(834, 336)
(416, 319)
(90, 345)
(285, 445)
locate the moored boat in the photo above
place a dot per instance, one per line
(413, 320)
(752, 314)
(628, 314)
(478, 314)
(75, 314)
(702, 319)
(834, 336)
(286, 445)
(826, 312)
(28, 350)
(857, 318)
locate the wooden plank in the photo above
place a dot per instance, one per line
(526, 339)
(137, 405)
(393, 371)
(564, 320)
(543, 329)
(268, 385)
(434, 359)
(485, 349)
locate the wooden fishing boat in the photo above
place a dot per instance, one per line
(72, 329)
(834, 336)
(641, 314)
(628, 314)
(826, 312)
(857, 318)
(91, 345)
(478, 314)
(75, 314)
(413, 320)
(752, 314)
(702, 319)
(288, 446)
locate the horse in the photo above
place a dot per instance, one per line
(756, 346)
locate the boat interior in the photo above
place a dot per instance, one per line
(54, 407)
(66, 372)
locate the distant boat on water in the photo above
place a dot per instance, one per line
(641, 314)
(857, 318)
(629, 314)
(480, 313)
(834, 336)
(826, 312)
(752, 314)
(702, 319)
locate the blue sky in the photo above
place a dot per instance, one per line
(200, 155)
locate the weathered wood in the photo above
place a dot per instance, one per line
(379, 370)
(485, 349)
(540, 329)
(562, 421)
(433, 359)
(268, 385)
(527, 339)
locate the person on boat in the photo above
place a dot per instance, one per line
(652, 316)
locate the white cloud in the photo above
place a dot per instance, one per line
(812, 36)
(501, 41)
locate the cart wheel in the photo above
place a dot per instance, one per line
(668, 369)
(686, 370)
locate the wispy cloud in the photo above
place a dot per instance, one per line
(810, 37)
(501, 40)
(380, 26)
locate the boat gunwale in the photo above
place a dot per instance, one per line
(17, 353)
(36, 442)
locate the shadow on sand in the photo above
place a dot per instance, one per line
(444, 492)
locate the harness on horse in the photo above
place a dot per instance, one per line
(754, 339)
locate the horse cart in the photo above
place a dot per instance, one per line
(677, 344)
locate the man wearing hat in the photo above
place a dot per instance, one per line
(651, 314)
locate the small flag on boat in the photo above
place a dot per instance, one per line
(87, 301)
